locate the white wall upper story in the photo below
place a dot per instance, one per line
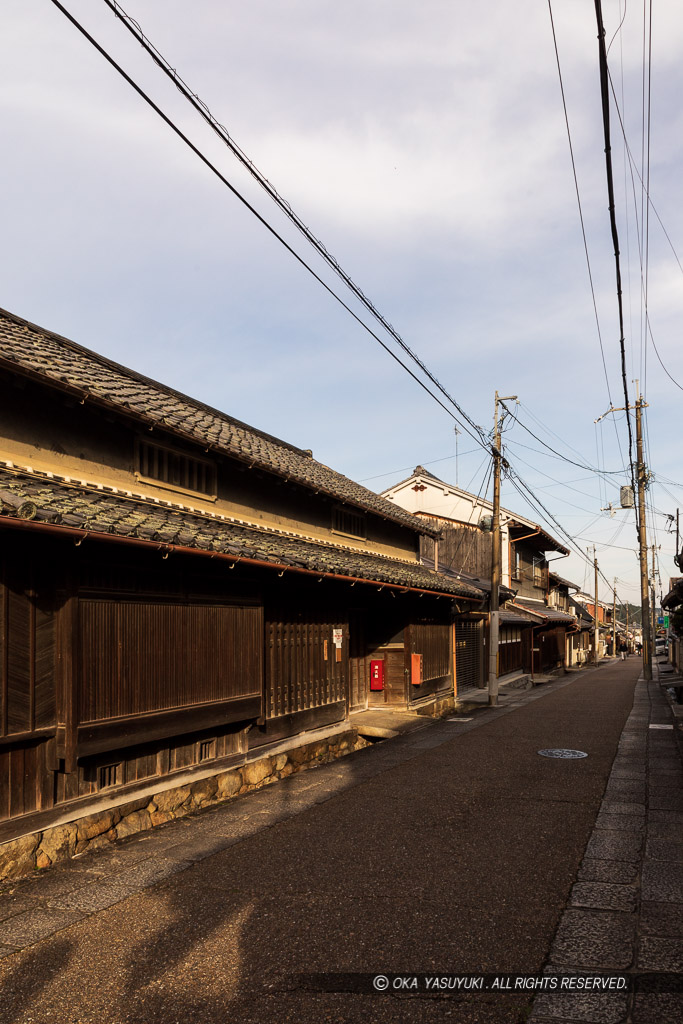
(425, 493)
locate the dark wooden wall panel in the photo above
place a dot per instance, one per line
(44, 683)
(465, 548)
(19, 659)
(27, 698)
(19, 780)
(138, 656)
(432, 641)
(299, 676)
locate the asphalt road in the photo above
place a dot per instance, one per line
(452, 849)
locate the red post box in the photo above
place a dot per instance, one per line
(377, 675)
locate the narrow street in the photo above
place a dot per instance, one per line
(454, 848)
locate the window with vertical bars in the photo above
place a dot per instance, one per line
(176, 469)
(109, 775)
(349, 522)
(207, 750)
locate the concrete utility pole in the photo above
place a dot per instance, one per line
(642, 539)
(641, 482)
(614, 621)
(652, 594)
(596, 641)
(494, 619)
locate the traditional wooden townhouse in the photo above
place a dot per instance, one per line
(533, 631)
(604, 617)
(180, 592)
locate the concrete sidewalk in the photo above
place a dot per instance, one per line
(453, 848)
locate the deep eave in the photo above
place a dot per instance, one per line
(60, 363)
(69, 508)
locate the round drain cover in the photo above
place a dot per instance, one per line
(562, 753)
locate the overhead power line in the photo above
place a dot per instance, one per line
(580, 208)
(604, 91)
(479, 437)
(223, 134)
(565, 458)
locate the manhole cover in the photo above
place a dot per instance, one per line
(562, 753)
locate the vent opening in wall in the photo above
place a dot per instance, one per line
(108, 775)
(207, 750)
(175, 469)
(349, 522)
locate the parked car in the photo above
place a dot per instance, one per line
(661, 645)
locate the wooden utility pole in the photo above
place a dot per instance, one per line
(494, 618)
(614, 621)
(596, 640)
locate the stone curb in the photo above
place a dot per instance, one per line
(625, 912)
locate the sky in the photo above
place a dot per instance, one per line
(426, 146)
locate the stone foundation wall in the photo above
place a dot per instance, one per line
(42, 849)
(442, 704)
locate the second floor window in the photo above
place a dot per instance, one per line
(349, 522)
(176, 469)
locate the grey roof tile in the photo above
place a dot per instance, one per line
(61, 504)
(41, 353)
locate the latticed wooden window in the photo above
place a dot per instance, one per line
(176, 469)
(207, 750)
(349, 522)
(109, 775)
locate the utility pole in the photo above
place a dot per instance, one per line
(641, 482)
(652, 592)
(596, 656)
(614, 621)
(494, 619)
(642, 540)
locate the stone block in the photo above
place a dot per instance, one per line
(59, 843)
(229, 784)
(257, 771)
(662, 881)
(132, 806)
(103, 841)
(606, 844)
(299, 755)
(138, 821)
(604, 896)
(160, 817)
(660, 954)
(662, 919)
(94, 825)
(172, 799)
(279, 762)
(204, 791)
(612, 871)
(601, 940)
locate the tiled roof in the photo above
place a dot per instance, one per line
(514, 521)
(553, 614)
(56, 360)
(43, 499)
(476, 581)
(565, 583)
(510, 618)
